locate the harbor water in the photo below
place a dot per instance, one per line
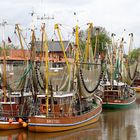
(116, 124)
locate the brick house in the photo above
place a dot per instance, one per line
(56, 55)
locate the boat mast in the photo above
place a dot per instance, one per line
(88, 44)
(130, 43)
(4, 60)
(111, 60)
(20, 39)
(42, 19)
(56, 26)
(47, 66)
(121, 56)
(77, 43)
(33, 38)
(96, 42)
(4, 71)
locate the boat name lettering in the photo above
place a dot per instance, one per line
(53, 121)
(117, 101)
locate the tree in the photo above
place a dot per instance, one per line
(135, 55)
(7, 48)
(102, 39)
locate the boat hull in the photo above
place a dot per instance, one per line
(9, 126)
(70, 135)
(136, 82)
(38, 124)
(137, 89)
(118, 103)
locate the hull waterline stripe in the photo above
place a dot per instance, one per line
(77, 123)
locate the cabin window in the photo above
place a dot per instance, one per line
(49, 101)
(43, 101)
(2, 100)
(54, 65)
(68, 100)
(12, 99)
(55, 101)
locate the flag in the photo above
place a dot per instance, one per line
(9, 40)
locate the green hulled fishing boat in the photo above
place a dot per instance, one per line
(114, 92)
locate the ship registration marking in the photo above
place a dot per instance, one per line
(53, 121)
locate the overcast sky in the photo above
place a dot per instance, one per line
(114, 15)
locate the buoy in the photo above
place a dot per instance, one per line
(24, 124)
(10, 120)
(24, 136)
(10, 137)
(20, 120)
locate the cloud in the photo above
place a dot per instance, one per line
(114, 15)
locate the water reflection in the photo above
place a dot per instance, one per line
(121, 124)
(115, 125)
(90, 132)
(18, 134)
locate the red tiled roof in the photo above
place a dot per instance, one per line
(17, 55)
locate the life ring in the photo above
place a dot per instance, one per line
(43, 108)
(20, 120)
(10, 120)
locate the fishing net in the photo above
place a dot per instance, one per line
(132, 69)
(58, 78)
(89, 77)
(16, 76)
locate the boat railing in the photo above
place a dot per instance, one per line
(8, 112)
(71, 113)
(99, 100)
(132, 91)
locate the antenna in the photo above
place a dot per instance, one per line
(33, 19)
(44, 17)
(3, 24)
(32, 13)
(76, 17)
